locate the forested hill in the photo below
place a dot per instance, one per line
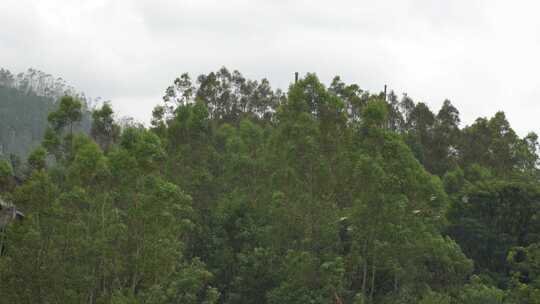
(25, 101)
(23, 119)
(238, 193)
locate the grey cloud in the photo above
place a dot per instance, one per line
(480, 54)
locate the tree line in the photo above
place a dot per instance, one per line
(25, 101)
(239, 193)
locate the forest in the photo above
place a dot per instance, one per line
(25, 101)
(240, 193)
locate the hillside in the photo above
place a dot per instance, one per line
(25, 102)
(239, 193)
(23, 118)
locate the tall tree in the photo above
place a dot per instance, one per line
(104, 130)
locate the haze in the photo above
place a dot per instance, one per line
(482, 55)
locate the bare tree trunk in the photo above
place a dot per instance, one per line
(395, 282)
(365, 269)
(372, 291)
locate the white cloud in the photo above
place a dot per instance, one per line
(482, 55)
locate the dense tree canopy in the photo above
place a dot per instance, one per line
(238, 193)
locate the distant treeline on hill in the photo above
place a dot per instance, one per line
(25, 101)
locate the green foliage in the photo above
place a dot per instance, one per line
(525, 270)
(489, 217)
(104, 130)
(375, 114)
(435, 298)
(69, 112)
(37, 160)
(6, 174)
(5, 170)
(241, 194)
(478, 293)
(308, 280)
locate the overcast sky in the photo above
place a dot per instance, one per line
(482, 55)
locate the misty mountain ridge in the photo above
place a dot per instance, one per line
(25, 101)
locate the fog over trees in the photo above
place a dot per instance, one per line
(25, 101)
